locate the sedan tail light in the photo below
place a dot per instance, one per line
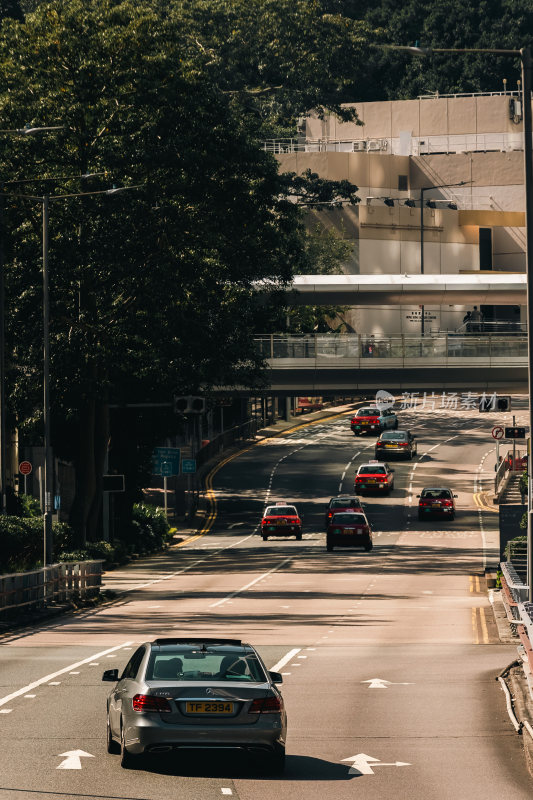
(266, 705)
(148, 702)
(447, 503)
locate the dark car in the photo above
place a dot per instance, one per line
(196, 693)
(397, 443)
(338, 504)
(349, 529)
(373, 420)
(436, 502)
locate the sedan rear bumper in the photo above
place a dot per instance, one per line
(153, 735)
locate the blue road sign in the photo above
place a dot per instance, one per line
(188, 466)
(166, 461)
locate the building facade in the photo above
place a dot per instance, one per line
(464, 154)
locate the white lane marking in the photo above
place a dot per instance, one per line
(6, 710)
(94, 664)
(54, 683)
(47, 678)
(361, 764)
(73, 759)
(302, 656)
(225, 790)
(252, 583)
(74, 673)
(285, 660)
(30, 695)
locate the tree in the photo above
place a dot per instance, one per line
(506, 24)
(151, 290)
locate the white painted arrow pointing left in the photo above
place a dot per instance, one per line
(73, 759)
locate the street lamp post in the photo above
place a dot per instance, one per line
(48, 455)
(525, 60)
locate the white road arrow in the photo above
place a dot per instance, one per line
(361, 764)
(73, 759)
(380, 683)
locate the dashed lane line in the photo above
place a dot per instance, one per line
(248, 585)
(47, 678)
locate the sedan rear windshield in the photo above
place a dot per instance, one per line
(368, 412)
(281, 511)
(345, 502)
(437, 494)
(348, 519)
(394, 435)
(370, 470)
(195, 665)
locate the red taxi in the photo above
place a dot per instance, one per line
(376, 476)
(373, 420)
(349, 529)
(281, 520)
(338, 504)
(439, 502)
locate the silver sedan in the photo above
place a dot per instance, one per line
(179, 694)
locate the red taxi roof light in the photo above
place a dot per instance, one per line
(149, 702)
(266, 705)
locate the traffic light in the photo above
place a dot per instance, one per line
(493, 402)
(189, 404)
(503, 403)
(515, 433)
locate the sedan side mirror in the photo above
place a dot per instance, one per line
(275, 677)
(455, 495)
(110, 675)
(418, 495)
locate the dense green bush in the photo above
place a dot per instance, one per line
(21, 540)
(149, 529)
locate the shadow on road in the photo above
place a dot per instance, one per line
(231, 765)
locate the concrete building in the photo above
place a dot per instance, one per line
(399, 151)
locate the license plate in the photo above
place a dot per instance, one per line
(348, 530)
(390, 445)
(281, 522)
(209, 708)
(371, 480)
(435, 505)
(364, 423)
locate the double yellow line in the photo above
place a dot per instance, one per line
(210, 492)
(481, 502)
(479, 626)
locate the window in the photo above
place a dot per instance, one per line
(281, 511)
(348, 519)
(197, 665)
(370, 470)
(485, 248)
(402, 183)
(368, 412)
(132, 667)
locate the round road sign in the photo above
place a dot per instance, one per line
(497, 433)
(25, 467)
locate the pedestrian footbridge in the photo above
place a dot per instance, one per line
(473, 288)
(351, 363)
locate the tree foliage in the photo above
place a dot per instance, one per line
(151, 288)
(505, 24)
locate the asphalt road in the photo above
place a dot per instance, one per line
(389, 658)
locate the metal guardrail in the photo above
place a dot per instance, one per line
(448, 347)
(239, 433)
(57, 582)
